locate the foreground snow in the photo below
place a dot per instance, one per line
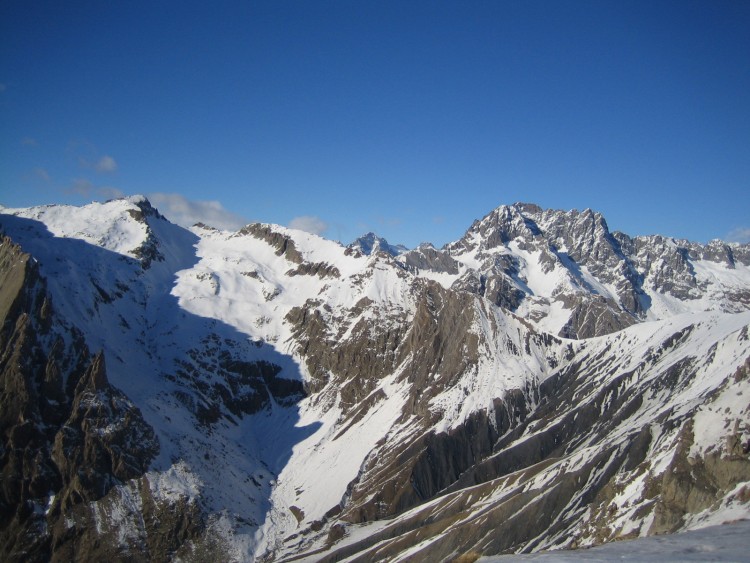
(717, 543)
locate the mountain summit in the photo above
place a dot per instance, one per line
(369, 243)
(267, 394)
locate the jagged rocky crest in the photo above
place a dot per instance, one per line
(370, 243)
(172, 394)
(607, 281)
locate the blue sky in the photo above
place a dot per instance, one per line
(410, 119)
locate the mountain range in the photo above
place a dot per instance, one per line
(172, 394)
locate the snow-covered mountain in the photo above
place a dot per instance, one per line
(266, 394)
(369, 243)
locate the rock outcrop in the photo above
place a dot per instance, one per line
(68, 436)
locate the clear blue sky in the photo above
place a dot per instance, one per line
(407, 118)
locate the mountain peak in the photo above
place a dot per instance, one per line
(370, 243)
(527, 207)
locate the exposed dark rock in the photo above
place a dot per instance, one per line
(68, 436)
(283, 244)
(592, 316)
(358, 362)
(500, 289)
(426, 257)
(243, 387)
(320, 269)
(148, 251)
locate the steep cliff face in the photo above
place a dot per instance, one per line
(68, 436)
(541, 383)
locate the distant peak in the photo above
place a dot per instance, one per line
(145, 207)
(369, 243)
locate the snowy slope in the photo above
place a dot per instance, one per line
(724, 543)
(206, 284)
(670, 395)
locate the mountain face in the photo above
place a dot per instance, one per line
(268, 395)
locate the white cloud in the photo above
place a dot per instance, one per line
(106, 164)
(186, 212)
(41, 174)
(310, 224)
(390, 221)
(741, 234)
(81, 187)
(86, 189)
(109, 192)
(88, 157)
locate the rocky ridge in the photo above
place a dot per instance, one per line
(540, 383)
(370, 242)
(597, 282)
